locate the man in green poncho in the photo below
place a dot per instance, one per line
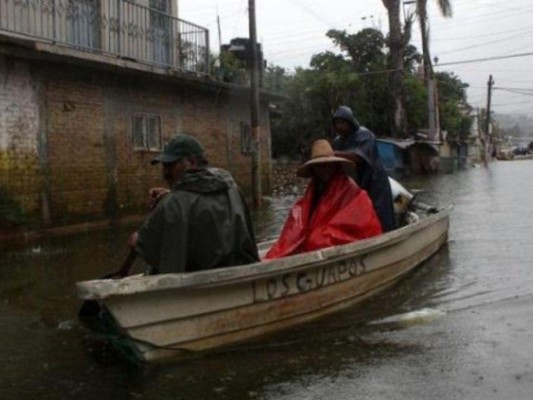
(202, 222)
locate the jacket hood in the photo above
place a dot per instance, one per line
(205, 180)
(345, 113)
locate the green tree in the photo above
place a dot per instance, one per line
(415, 103)
(412, 58)
(335, 79)
(454, 109)
(226, 67)
(397, 40)
(445, 8)
(356, 76)
(365, 49)
(274, 78)
(421, 11)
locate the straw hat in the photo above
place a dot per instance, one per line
(321, 152)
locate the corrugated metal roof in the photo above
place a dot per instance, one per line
(401, 143)
(405, 143)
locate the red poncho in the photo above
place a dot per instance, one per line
(343, 214)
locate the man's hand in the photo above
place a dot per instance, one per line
(132, 240)
(157, 194)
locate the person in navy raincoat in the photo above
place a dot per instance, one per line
(358, 144)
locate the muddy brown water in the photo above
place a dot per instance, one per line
(459, 327)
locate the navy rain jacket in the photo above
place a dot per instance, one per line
(370, 174)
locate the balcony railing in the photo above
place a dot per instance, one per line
(117, 27)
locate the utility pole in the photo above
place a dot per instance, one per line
(479, 131)
(437, 114)
(254, 90)
(488, 136)
(429, 76)
(219, 31)
(433, 108)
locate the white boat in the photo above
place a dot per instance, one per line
(168, 316)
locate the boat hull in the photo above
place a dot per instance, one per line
(171, 316)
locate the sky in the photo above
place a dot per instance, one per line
(292, 31)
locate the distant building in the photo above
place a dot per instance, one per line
(464, 150)
(393, 155)
(408, 156)
(241, 50)
(91, 90)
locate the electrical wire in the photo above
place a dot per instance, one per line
(517, 92)
(476, 60)
(486, 43)
(511, 88)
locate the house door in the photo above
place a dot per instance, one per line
(160, 23)
(83, 22)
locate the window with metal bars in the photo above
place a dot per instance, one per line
(247, 140)
(146, 132)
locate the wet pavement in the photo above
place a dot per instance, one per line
(459, 327)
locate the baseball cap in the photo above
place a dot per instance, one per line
(179, 147)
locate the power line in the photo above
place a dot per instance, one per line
(470, 37)
(517, 92)
(512, 88)
(512, 104)
(486, 16)
(310, 11)
(497, 6)
(486, 43)
(475, 60)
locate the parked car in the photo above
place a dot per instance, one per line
(521, 151)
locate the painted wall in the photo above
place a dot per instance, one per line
(424, 159)
(19, 127)
(391, 156)
(66, 141)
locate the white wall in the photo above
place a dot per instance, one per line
(19, 113)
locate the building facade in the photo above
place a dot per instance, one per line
(90, 91)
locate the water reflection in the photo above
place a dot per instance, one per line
(481, 280)
(269, 220)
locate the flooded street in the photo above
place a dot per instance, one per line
(459, 327)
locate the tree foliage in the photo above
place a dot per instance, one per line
(453, 106)
(366, 49)
(397, 41)
(357, 75)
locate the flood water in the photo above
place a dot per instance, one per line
(459, 327)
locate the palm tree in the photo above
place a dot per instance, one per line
(397, 42)
(445, 8)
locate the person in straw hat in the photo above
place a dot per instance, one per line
(333, 210)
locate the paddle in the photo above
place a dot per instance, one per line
(91, 308)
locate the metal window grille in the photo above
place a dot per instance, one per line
(146, 132)
(112, 27)
(247, 140)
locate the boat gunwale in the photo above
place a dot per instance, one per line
(391, 281)
(103, 288)
(188, 347)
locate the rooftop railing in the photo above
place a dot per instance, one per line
(114, 27)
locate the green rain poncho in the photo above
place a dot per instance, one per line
(203, 223)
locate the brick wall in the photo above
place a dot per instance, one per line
(76, 138)
(19, 124)
(216, 121)
(74, 129)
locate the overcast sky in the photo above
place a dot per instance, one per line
(291, 31)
